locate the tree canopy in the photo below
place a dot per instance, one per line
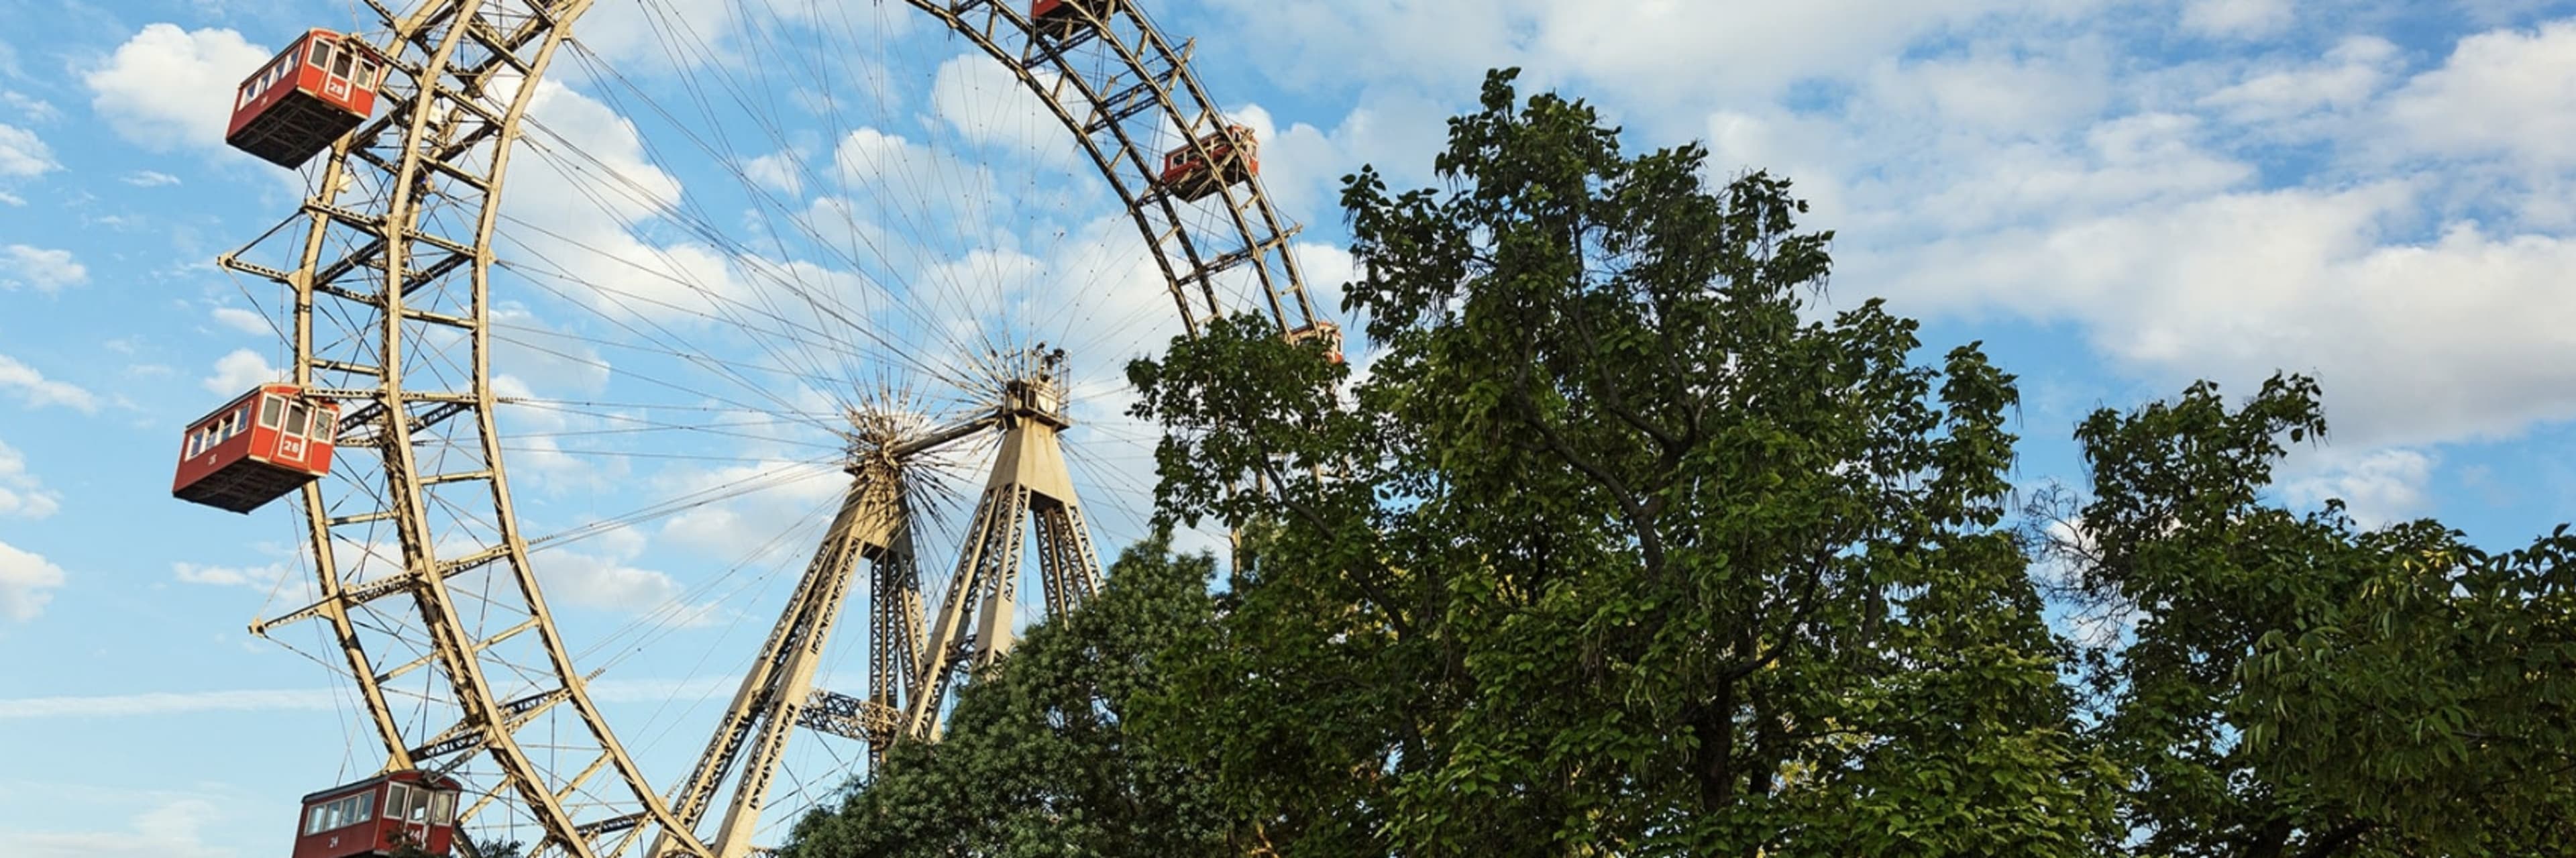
(1038, 758)
(2297, 686)
(1615, 553)
(1624, 545)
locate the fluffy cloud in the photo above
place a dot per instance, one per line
(2236, 18)
(778, 171)
(169, 88)
(281, 582)
(27, 582)
(173, 829)
(2500, 93)
(30, 106)
(1681, 59)
(36, 391)
(1302, 166)
(2401, 231)
(21, 494)
(242, 320)
(579, 218)
(43, 269)
(600, 576)
(987, 104)
(2350, 74)
(2377, 487)
(240, 370)
(2237, 285)
(23, 154)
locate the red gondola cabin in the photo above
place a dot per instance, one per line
(319, 88)
(1328, 332)
(1234, 153)
(269, 442)
(378, 815)
(1063, 18)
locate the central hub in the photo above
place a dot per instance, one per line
(1035, 389)
(1028, 391)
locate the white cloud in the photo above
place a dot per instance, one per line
(173, 829)
(45, 270)
(33, 108)
(2501, 93)
(586, 231)
(149, 179)
(600, 576)
(23, 154)
(37, 391)
(988, 104)
(238, 371)
(1302, 166)
(168, 88)
(2351, 73)
(777, 171)
(1681, 59)
(2378, 487)
(27, 582)
(888, 163)
(21, 494)
(2238, 285)
(2237, 18)
(242, 320)
(280, 582)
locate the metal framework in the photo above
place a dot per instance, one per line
(423, 572)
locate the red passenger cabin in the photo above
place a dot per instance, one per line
(294, 107)
(378, 815)
(271, 441)
(1328, 332)
(1231, 150)
(1064, 18)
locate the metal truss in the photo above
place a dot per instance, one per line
(422, 571)
(910, 676)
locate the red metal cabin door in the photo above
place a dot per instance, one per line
(293, 445)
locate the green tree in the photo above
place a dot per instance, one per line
(2298, 686)
(1038, 758)
(1615, 552)
(464, 845)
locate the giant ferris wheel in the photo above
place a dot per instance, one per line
(824, 296)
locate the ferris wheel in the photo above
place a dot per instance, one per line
(808, 294)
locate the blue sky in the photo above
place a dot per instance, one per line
(2116, 197)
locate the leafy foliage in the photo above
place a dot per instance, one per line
(1618, 549)
(1615, 553)
(2297, 686)
(1038, 759)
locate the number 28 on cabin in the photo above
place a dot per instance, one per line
(305, 98)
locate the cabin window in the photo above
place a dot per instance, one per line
(340, 813)
(271, 410)
(321, 54)
(240, 422)
(366, 73)
(418, 804)
(340, 66)
(296, 415)
(405, 804)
